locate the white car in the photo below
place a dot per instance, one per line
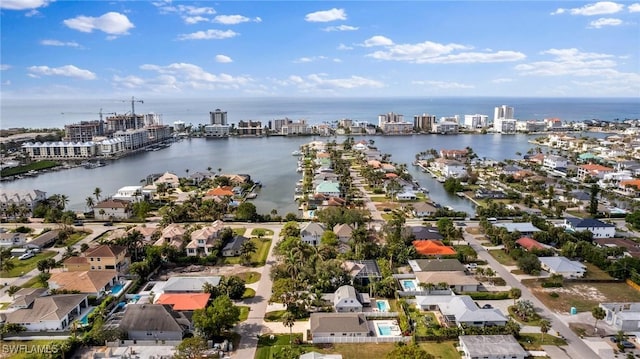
(26, 256)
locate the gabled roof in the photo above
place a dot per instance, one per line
(51, 308)
(235, 244)
(311, 229)
(44, 239)
(189, 284)
(112, 203)
(362, 268)
(25, 296)
(83, 281)
(588, 223)
(150, 317)
(530, 244)
(184, 301)
(433, 248)
(338, 323)
(423, 207)
(345, 291)
(221, 192)
(105, 251)
(525, 227)
(422, 232)
(343, 230)
(562, 264)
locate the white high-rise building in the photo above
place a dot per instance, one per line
(218, 117)
(476, 121)
(503, 111)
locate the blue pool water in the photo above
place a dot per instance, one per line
(116, 289)
(85, 319)
(383, 306)
(384, 329)
(409, 285)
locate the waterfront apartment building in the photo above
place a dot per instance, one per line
(390, 117)
(111, 147)
(393, 124)
(446, 127)
(124, 122)
(504, 125)
(503, 112)
(218, 117)
(476, 121)
(217, 130)
(424, 122)
(250, 128)
(279, 123)
(530, 126)
(158, 133)
(83, 131)
(60, 150)
(300, 127)
(133, 139)
(27, 198)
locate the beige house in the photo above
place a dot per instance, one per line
(171, 235)
(112, 209)
(204, 240)
(101, 258)
(171, 180)
(87, 282)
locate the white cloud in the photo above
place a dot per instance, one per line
(208, 35)
(320, 82)
(570, 62)
(634, 7)
(59, 43)
(4, 67)
(189, 14)
(377, 40)
(223, 59)
(605, 21)
(231, 19)
(112, 23)
(188, 76)
(326, 15)
(432, 52)
(599, 8)
(309, 59)
(67, 71)
(23, 4)
(194, 19)
(559, 11)
(344, 47)
(443, 84)
(501, 80)
(340, 28)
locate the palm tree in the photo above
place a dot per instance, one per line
(97, 192)
(247, 248)
(7, 265)
(288, 320)
(89, 202)
(545, 325)
(515, 293)
(599, 314)
(13, 290)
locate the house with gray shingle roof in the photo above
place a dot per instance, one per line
(152, 322)
(54, 312)
(491, 347)
(327, 325)
(461, 310)
(188, 284)
(598, 228)
(311, 233)
(563, 266)
(234, 247)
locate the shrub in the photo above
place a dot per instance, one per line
(554, 295)
(551, 285)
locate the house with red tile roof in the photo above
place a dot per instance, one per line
(531, 244)
(631, 187)
(433, 248)
(224, 191)
(184, 301)
(592, 171)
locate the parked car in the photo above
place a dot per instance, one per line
(487, 306)
(627, 344)
(26, 255)
(108, 224)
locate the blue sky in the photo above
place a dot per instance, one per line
(72, 49)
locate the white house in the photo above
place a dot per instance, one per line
(452, 168)
(347, 299)
(423, 209)
(129, 193)
(112, 209)
(29, 198)
(491, 347)
(8, 240)
(563, 266)
(328, 325)
(311, 233)
(461, 309)
(598, 228)
(53, 312)
(623, 316)
(406, 195)
(554, 162)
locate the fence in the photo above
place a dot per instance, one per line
(351, 340)
(127, 343)
(373, 315)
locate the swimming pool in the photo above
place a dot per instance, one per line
(382, 305)
(384, 329)
(387, 328)
(409, 285)
(116, 289)
(85, 319)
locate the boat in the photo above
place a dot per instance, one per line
(252, 195)
(299, 169)
(296, 153)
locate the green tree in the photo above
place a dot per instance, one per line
(515, 293)
(97, 192)
(7, 264)
(545, 326)
(11, 328)
(598, 314)
(246, 211)
(13, 290)
(529, 264)
(593, 201)
(288, 320)
(408, 351)
(247, 249)
(89, 202)
(191, 348)
(216, 319)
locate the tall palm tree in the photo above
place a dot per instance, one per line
(545, 325)
(97, 192)
(89, 202)
(288, 320)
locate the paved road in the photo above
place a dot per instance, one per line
(576, 348)
(254, 325)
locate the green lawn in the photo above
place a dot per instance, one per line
(248, 293)
(249, 277)
(27, 265)
(73, 239)
(33, 283)
(502, 257)
(259, 257)
(443, 350)
(274, 316)
(534, 341)
(239, 231)
(267, 232)
(593, 272)
(379, 199)
(26, 349)
(244, 312)
(4, 305)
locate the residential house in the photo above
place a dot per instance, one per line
(623, 316)
(563, 266)
(598, 228)
(152, 322)
(316, 355)
(406, 195)
(221, 192)
(234, 247)
(311, 233)
(524, 228)
(347, 299)
(55, 312)
(423, 209)
(461, 310)
(112, 209)
(456, 280)
(436, 265)
(592, 171)
(492, 194)
(454, 154)
(169, 179)
(328, 188)
(530, 244)
(46, 239)
(188, 284)
(100, 258)
(632, 247)
(433, 248)
(129, 194)
(630, 187)
(343, 231)
(24, 297)
(203, 241)
(328, 325)
(8, 239)
(425, 233)
(28, 198)
(362, 271)
(184, 301)
(451, 168)
(94, 283)
(491, 347)
(554, 162)
(146, 232)
(172, 235)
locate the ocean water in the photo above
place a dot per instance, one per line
(39, 113)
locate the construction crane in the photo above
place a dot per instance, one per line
(133, 102)
(89, 113)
